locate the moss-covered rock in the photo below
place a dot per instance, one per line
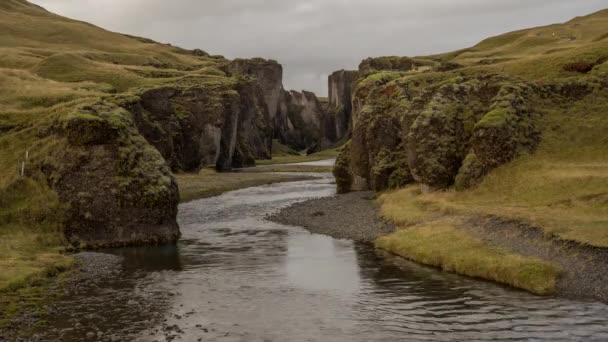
(471, 172)
(422, 127)
(117, 191)
(200, 123)
(507, 129)
(439, 138)
(342, 171)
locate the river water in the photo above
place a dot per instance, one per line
(236, 277)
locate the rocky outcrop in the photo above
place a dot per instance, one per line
(269, 76)
(299, 120)
(445, 130)
(116, 189)
(210, 122)
(341, 84)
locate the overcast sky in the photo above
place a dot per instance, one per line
(312, 38)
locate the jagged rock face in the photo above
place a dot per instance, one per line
(450, 130)
(117, 187)
(255, 130)
(202, 125)
(299, 120)
(269, 76)
(340, 85)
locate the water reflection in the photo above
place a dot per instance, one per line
(236, 277)
(306, 266)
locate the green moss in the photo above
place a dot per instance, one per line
(390, 169)
(342, 171)
(471, 173)
(495, 118)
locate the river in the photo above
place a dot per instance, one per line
(237, 277)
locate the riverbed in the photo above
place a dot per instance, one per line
(235, 276)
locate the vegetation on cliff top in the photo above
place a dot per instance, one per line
(544, 161)
(52, 69)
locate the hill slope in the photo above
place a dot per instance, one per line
(91, 125)
(514, 127)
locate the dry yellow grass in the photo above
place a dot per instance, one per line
(209, 183)
(442, 245)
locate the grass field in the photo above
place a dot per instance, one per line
(443, 245)
(561, 187)
(282, 154)
(209, 183)
(51, 68)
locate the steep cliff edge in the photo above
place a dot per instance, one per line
(93, 122)
(512, 127)
(341, 84)
(450, 119)
(204, 121)
(298, 119)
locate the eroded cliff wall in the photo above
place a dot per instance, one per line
(341, 84)
(210, 122)
(418, 121)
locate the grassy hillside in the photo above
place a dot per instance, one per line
(55, 74)
(563, 185)
(541, 53)
(560, 184)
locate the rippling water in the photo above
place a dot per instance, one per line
(236, 277)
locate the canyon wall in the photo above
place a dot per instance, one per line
(207, 123)
(341, 84)
(298, 119)
(114, 188)
(420, 121)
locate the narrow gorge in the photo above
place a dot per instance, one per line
(150, 192)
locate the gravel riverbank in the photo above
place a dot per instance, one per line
(354, 216)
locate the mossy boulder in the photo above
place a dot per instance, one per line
(439, 138)
(201, 123)
(437, 129)
(507, 129)
(342, 171)
(117, 192)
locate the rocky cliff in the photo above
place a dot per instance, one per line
(204, 122)
(298, 119)
(341, 84)
(115, 188)
(100, 128)
(435, 122)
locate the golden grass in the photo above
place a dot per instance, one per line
(31, 240)
(209, 183)
(540, 53)
(293, 159)
(442, 244)
(289, 168)
(28, 257)
(562, 187)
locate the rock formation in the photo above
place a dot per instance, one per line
(205, 123)
(419, 121)
(299, 120)
(116, 189)
(454, 129)
(341, 84)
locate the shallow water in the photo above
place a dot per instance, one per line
(236, 277)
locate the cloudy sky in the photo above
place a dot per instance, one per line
(312, 38)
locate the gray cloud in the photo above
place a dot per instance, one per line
(312, 38)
